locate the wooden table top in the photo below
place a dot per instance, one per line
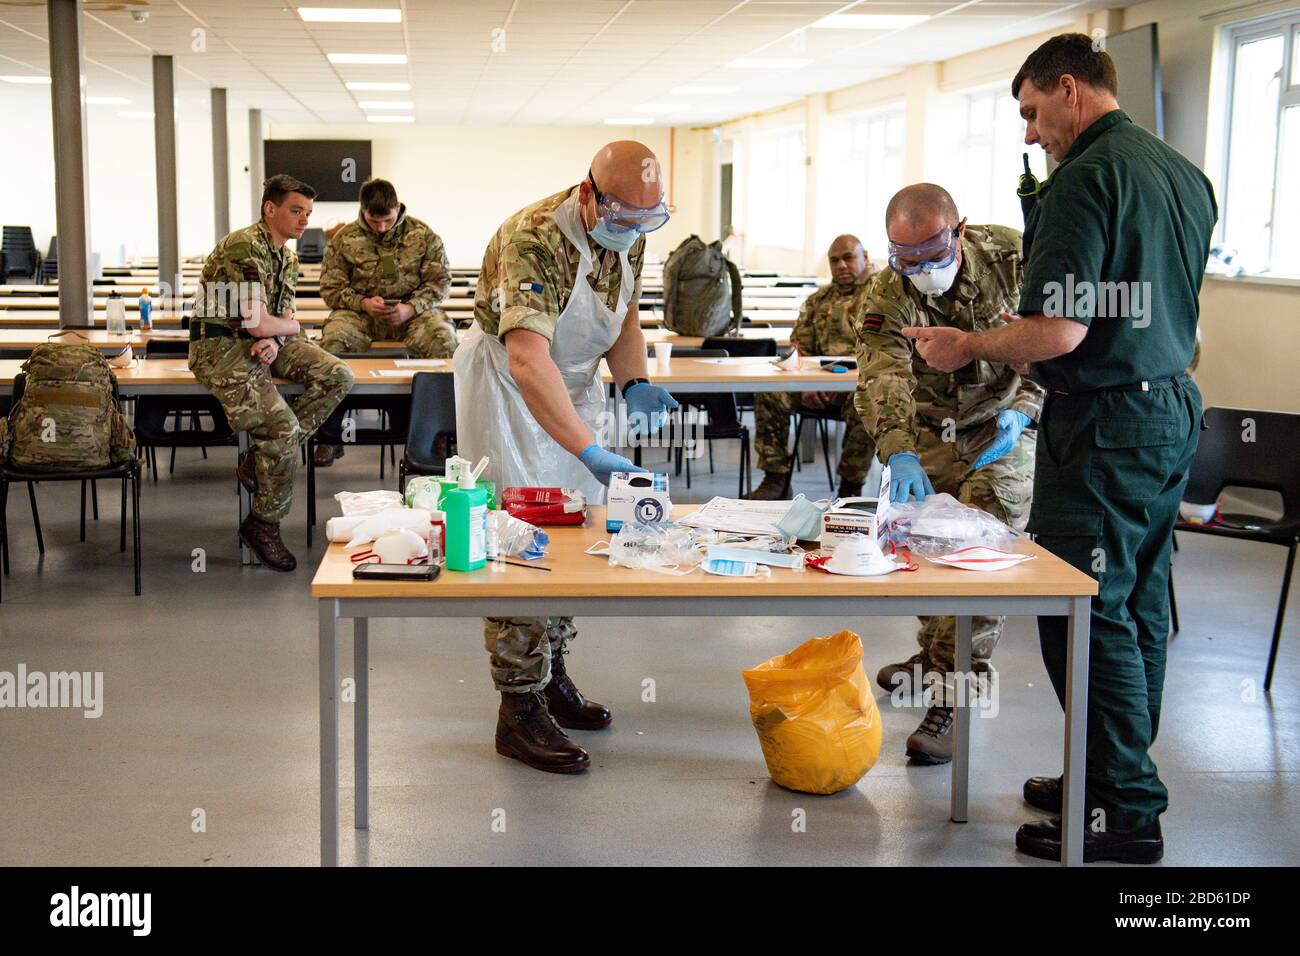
(575, 574)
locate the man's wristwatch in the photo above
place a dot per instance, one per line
(635, 381)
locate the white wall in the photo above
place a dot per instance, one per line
(464, 181)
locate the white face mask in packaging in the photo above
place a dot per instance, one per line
(401, 546)
(724, 567)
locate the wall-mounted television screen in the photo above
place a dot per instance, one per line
(335, 168)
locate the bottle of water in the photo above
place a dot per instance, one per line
(116, 314)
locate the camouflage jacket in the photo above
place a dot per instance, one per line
(408, 262)
(898, 393)
(246, 265)
(827, 322)
(529, 270)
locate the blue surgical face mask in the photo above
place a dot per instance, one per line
(620, 241)
(735, 569)
(804, 519)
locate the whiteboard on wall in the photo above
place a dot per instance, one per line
(1136, 54)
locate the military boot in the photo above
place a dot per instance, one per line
(931, 743)
(526, 732)
(907, 677)
(246, 471)
(1044, 793)
(849, 489)
(264, 538)
(325, 455)
(566, 703)
(772, 488)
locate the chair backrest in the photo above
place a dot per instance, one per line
(692, 352)
(53, 254)
(433, 413)
(1249, 449)
(394, 352)
(742, 346)
(156, 348)
(311, 245)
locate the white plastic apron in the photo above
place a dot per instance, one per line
(491, 416)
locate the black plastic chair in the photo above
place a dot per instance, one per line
(431, 435)
(822, 417)
(394, 417)
(740, 346)
(311, 245)
(20, 255)
(1267, 462)
(722, 422)
(129, 472)
(50, 264)
(152, 412)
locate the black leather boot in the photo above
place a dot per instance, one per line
(1042, 839)
(263, 537)
(1044, 793)
(246, 471)
(526, 732)
(566, 703)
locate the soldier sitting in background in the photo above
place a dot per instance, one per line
(384, 276)
(825, 327)
(965, 431)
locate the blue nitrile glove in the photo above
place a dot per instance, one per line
(603, 463)
(907, 478)
(651, 401)
(1010, 424)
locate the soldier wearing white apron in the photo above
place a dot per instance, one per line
(558, 292)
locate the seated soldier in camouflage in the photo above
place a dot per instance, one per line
(963, 433)
(384, 276)
(242, 337)
(825, 327)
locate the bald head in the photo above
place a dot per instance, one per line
(848, 260)
(629, 170)
(919, 211)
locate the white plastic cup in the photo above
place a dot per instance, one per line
(663, 354)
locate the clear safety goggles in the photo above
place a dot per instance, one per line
(937, 252)
(622, 216)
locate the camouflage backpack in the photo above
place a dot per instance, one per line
(701, 290)
(68, 417)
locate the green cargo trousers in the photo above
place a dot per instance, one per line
(1109, 472)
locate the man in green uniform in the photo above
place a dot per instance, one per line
(961, 432)
(384, 276)
(824, 327)
(243, 336)
(1115, 247)
(557, 293)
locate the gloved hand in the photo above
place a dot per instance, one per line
(907, 478)
(602, 463)
(651, 401)
(1010, 424)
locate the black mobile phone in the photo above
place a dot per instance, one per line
(396, 572)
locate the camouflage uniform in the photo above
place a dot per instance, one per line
(948, 419)
(247, 265)
(528, 273)
(408, 262)
(825, 327)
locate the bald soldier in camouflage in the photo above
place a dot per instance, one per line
(825, 327)
(963, 432)
(384, 276)
(243, 335)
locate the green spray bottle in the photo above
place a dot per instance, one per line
(465, 508)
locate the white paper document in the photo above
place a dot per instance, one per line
(739, 516)
(392, 372)
(421, 363)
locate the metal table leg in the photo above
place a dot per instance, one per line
(329, 734)
(1076, 731)
(361, 721)
(962, 689)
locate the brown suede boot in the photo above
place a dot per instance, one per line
(325, 455)
(566, 703)
(907, 676)
(771, 488)
(246, 471)
(526, 732)
(264, 538)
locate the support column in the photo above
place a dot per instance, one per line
(164, 147)
(256, 161)
(220, 165)
(67, 101)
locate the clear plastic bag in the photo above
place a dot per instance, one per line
(510, 536)
(940, 525)
(666, 548)
(368, 502)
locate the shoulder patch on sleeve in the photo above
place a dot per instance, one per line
(250, 271)
(872, 322)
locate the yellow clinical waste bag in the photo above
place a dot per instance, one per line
(815, 714)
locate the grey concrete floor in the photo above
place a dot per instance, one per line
(210, 713)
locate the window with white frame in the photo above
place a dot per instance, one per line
(861, 170)
(988, 158)
(776, 189)
(1260, 205)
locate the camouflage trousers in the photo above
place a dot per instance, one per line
(520, 649)
(1005, 490)
(772, 411)
(247, 393)
(427, 335)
